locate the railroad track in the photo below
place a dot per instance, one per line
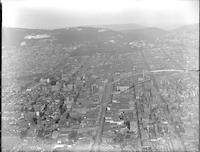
(167, 113)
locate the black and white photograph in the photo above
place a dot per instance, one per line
(100, 76)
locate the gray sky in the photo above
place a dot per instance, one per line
(63, 13)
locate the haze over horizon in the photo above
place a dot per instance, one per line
(52, 14)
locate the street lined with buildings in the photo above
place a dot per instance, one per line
(141, 98)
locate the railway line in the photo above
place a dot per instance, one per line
(167, 112)
(175, 135)
(172, 127)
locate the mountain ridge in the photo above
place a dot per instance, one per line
(79, 34)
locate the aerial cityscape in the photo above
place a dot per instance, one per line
(105, 88)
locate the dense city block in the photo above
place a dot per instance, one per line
(101, 91)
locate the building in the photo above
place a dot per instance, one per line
(65, 77)
(94, 88)
(123, 88)
(133, 126)
(56, 87)
(69, 101)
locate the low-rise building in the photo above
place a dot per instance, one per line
(123, 88)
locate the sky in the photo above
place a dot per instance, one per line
(50, 14)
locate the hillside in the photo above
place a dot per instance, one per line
(188, 28)
(14, 36)
(144, 34)
(119, 27)
(75, 35)
(187, 35)
(30, 51)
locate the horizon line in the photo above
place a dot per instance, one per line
(92, 26)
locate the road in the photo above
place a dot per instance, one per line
(106, 98)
